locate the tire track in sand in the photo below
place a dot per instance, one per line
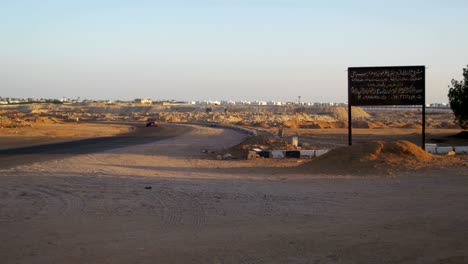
(171, 208)
(26, 202)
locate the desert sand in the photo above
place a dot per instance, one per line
(49, 130)
(170, 202)
(159, 195)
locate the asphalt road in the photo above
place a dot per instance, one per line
(141, 135)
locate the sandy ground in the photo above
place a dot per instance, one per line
(56, 132)
(98, 208)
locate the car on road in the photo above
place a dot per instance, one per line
(151, 124)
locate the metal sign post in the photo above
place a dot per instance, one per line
(350, 124)
(397, 85)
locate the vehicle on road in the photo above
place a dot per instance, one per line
(151, 124)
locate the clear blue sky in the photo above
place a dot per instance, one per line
(238, 50)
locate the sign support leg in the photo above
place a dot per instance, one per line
(424, 112)
(350, 127)
(423, 127)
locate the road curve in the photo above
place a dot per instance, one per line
(141, 135)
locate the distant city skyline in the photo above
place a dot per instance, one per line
(150, 101)
(272, 50)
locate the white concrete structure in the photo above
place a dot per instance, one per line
(461, 149)
(321, 152)
(431, 148)
(307, 154)
(444, 150)
(277, 154)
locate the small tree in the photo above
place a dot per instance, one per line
(458, 98)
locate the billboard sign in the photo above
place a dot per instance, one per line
(403, 85)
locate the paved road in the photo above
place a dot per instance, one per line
(141, 135)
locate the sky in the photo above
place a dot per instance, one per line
(226, 50)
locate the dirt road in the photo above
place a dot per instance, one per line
(165, 202)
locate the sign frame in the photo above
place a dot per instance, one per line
(387, 85)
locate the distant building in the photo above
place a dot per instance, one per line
(274, 103)
(439, 105)
(228, 102)
(172, 102)
(143, 101)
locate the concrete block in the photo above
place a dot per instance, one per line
(307, 153)
(320, 152)
(293, 154)
(432, 150)
(264, 154)
(444, 150)
(461, 149)
(277, 154)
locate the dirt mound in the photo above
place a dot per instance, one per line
(56, 119)
(376, 157)
(446, 124)
(46, 120)
(396, 124)
(39, 111)
(364, 124)
(320, 125)
(327, 125)
(173, 119)
(379, 124)
(260, 124)
(413, 126)
(316, 124)
(341, 112)
(233, 119)
(13, 121)
(292, 123)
